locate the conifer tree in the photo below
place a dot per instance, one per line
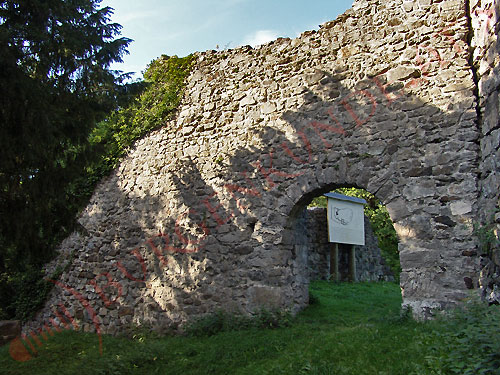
(55, 85)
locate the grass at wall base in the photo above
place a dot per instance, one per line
(349, 329)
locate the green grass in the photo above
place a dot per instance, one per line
(350, 329)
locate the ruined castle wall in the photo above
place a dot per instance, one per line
(199, 215)
(486, 59)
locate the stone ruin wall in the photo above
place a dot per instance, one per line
(200, 214)
(486, 60)
(370, 266)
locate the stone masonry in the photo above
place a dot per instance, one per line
(486, 59)
(486, 62)
(398, 97)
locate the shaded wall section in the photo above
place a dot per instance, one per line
(486, 62)
(484, 16)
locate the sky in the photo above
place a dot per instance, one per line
(180, 27)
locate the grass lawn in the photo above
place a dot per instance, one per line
(350, 329)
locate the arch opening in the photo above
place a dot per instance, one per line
(377, 260)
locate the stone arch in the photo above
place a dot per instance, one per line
(296, 228)
(425, 282)
(324, 180)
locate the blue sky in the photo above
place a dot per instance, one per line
(180, 27)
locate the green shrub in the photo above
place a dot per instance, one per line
(143, 106)
(155, 103)
(272, 319)
(216, 322)
(141, 332)
(465, 342)
(485, 233)
(222, 321)
(387, 237)
(23, 293)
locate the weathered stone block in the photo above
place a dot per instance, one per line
(265, 296)
(398, 209)
(460, 208)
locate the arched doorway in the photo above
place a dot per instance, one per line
(307, 231)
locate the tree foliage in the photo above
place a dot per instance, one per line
(143, 107)
(56, 84)
(158, 98)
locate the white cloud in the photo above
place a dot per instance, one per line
(260, 37)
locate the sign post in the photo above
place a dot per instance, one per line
(346, 225)
(334, 262)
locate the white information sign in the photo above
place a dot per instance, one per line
(346, 222)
